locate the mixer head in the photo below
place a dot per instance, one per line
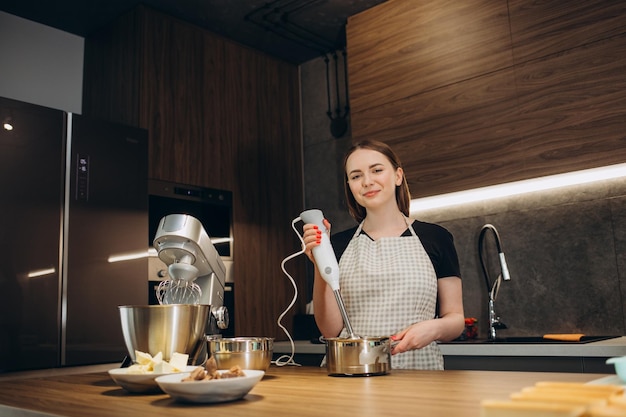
(181, 238)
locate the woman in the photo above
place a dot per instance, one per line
(398, 277)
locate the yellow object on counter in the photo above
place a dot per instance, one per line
(609, 388)
(565, 337)
(618, 401)
(552, 399)
(607, 411)
(495, 408)
(558, 389)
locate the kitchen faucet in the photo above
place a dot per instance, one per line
(493, 288)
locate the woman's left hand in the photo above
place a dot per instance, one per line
(446, 327)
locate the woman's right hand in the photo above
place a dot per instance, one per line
(312, 236)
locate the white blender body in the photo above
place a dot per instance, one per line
(183, 245)
(323, 254)
(326, 262)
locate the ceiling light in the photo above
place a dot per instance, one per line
(151, 252)
(518, 187)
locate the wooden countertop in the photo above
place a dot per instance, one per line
(287, 390)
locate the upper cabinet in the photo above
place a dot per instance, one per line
(479, 92)
(200, 96)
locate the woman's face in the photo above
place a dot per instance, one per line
(372, 178)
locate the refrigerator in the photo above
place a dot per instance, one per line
(73, 226)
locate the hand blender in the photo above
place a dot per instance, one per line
(327, 262)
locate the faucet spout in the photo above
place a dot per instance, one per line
(493, 287)
(503, 266)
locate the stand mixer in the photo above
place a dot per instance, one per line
(197, 273)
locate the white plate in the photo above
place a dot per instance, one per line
(211, 391)
(140, 382)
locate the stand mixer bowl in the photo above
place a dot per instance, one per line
(165, 328)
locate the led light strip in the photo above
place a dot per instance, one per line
(152, 252)
(41, 272)
(518, 187)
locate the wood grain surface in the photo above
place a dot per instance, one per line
(404, 48)
(286, 391)
(477, 93)
(222, 116)
(540, 28)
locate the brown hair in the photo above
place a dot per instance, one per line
(403, 196)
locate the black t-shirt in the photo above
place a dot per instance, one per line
(437, 241)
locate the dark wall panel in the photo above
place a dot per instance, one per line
(221, 116)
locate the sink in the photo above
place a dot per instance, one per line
(532, 340)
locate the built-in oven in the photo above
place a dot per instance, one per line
(214, 210)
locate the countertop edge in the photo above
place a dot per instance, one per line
(603, 348)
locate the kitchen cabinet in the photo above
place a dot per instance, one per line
(222, 116)
(478, 93)
(575, 364)
(553, 357)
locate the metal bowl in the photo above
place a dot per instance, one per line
(165, 328)
(245, 352)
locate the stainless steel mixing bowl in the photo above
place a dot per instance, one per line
(246, 352)
(165, 328)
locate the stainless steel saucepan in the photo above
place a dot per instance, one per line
(361, 356)
(355, 355)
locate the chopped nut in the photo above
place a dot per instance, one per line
(211, 365)
(195, 375)
(210, 372)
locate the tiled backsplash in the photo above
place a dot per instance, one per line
(566, 252)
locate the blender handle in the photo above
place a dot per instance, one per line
(323, 254)
(326, 262)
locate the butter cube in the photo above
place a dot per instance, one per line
(163, 367)
(179, 360)
(143, 358)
